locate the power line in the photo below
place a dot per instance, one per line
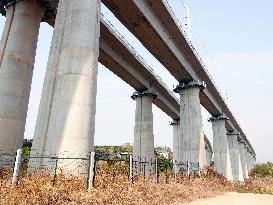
(207, 52)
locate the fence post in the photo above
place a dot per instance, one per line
(55, 171)
(131, 168)
(174, 168)
(16, 169)
(156, 170)
(91, 171)
(188, 168)
(144, 169)
(199, 170)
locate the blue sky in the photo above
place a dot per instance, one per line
(238, 37)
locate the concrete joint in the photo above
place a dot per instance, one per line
(241, 142)
(216, 118)
(233, 133)
(190, 84)
(144, 93)
(175, 122)
(50, 7)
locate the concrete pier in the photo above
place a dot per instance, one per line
(176, 150)
(222, 161)
(247, 161)
(208, 157)
(143, 148)
(250, 159)
(254, 160)
(243, 158)
(209, 154)
(234, 155)
(192, 143)
(17, 56)
(66, 120)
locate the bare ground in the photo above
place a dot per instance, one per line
(233, 198)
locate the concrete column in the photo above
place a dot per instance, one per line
(251, 163)
(192, 139)
(243, 158)
(4, 39)
(176, 150)
(241, 162)
(247, 162)
(143, 131)
(222, 161)
(66, 120)
(234, 155)
(143, 148)
(17, 56)
(209, 151)
(254, 160)
(251, 160)
(208, 156)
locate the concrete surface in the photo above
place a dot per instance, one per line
(143, 147)
(17, 56)
(222, 158)
(176, 149)
(247, 162)
(233, 198)
(234, 156)
(192, 143)
(243, 158)
(71, 105)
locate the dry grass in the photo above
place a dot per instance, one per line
(37, 189)
(257, 185)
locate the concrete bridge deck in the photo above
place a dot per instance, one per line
(166, 42)
(164, 38)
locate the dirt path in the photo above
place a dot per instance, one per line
(236, 199)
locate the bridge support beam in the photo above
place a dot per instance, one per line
(222, 159)
(143, 148)
(192, 144)
(176, 145)
(234, 156)
(17, 56)
(66, 120)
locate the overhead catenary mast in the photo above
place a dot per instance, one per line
(189, 23)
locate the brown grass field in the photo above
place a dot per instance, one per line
(37, 188)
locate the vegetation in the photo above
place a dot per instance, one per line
(37, 188)
(262, 170)
(261, 180)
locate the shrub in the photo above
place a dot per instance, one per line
(262, 170)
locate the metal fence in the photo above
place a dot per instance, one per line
(134, 167)
(7, 159)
